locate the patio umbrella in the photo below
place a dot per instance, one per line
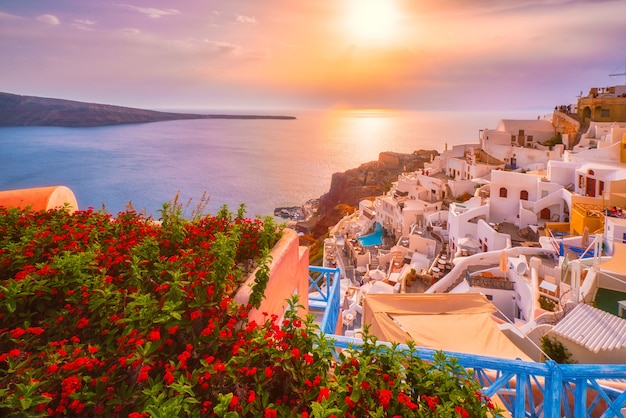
(468, 242)
(377, 274)
(584, 239)
(376, 287)
(504, 262)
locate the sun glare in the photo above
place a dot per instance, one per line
(372, 19)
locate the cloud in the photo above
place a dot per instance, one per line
(83, 24)
(8, 16)
(246, 19)
(49, 19)
(152, 12)
(222, 47)
(132, 31)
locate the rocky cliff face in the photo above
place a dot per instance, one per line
(367, 181)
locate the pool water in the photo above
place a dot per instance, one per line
(375, 238)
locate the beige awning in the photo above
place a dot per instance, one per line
(457, 322)
(616, 263)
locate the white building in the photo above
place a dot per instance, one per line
(411, 197)
(519, 143)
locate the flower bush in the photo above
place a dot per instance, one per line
(124, 316)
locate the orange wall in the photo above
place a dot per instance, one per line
(289, 275)
(39, 198)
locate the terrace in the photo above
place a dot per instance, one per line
(524, 388)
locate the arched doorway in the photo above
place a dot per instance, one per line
(586, 115)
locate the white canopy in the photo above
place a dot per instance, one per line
(456, 322)
(616, 263)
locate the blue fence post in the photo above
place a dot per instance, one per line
(552, 394)
(552, 402)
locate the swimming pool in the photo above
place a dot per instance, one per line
(375, 238)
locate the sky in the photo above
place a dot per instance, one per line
(312, 54)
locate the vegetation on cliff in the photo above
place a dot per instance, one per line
(347, 189)
(16, 110)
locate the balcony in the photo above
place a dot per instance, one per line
(525, 389)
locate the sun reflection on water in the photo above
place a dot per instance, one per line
(365, 132)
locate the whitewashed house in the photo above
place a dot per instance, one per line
(519, 143)
(411, 197)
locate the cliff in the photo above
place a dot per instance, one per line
(16, 110)
(367, 181)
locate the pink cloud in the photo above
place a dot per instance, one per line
(49, 19)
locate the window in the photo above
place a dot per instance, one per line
(601, 187)
(503, 192)
(606, 113)
(523, 195)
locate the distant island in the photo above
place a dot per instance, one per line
(17, 110)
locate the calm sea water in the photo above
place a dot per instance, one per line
(261, 163)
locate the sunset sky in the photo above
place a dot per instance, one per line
(270, 54)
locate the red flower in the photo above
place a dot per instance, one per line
(70, 385)
(154, 335)
(384, 396)
(270, 413)
(324, 394)
(82, 323)
(14, 353)
(168, 377)
(35, 330)
(460, 410)
(295, 352)
(234, 402)
(17, 332)
(251, 396)
(432, 402)
(77, 406)
(269, 372)
(143, 374)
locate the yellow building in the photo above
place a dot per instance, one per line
(606, 104)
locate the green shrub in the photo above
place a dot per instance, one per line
(124, 316)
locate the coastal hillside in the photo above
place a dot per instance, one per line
(368, 180)
(17, 110)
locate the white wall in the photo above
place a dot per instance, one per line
(506, 209)
(615, 230)
(563, 173)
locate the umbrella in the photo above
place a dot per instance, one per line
(469, 242)
(377, 274)
(584, 239)
(504, 262)
(377, 287)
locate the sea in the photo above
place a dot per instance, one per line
(261, 163)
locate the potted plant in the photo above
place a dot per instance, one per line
(409, 277)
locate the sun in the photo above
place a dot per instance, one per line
(372, 19)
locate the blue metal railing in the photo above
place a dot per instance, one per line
(526, 389)
(326, 283)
